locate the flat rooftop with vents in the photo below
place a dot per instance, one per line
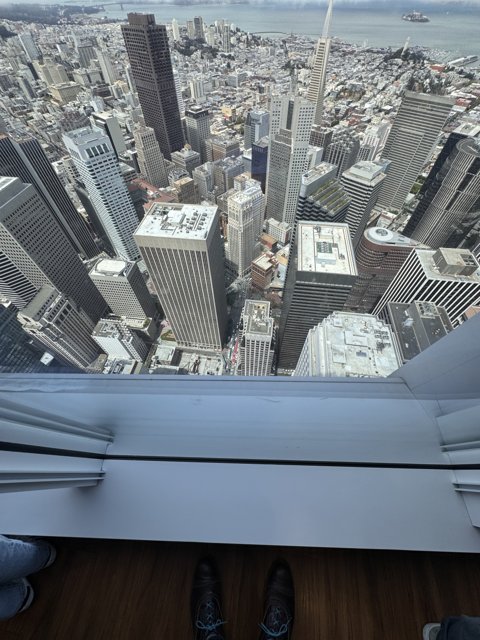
(325, 247)
(188, 221)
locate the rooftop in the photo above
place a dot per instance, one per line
(366, 171)
(110, 267)
(454, 262)
(325, 248)
(352, 345)
(322, 169)
(107, 328)
(189, 221)
(379, 235)
(417, 325)
(257, 317)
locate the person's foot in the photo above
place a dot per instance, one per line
(206, 608)
(431, 630)
(279, 604)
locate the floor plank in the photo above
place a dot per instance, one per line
(104, 590)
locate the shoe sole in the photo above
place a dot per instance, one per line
(29, 597)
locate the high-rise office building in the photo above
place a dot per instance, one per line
(225, 171)
(149, 55)
(449, 278)
(108, 123)
(256, 126)
(34, 252)
(186, 159)
(123, 288)
(349, 345)
(204, 182)
(246, 210)
(373, 141)
(175, 30)
(86, 53)
(197, 122)
(454, 208)
(190, 29)
(291, 121)
(65, 330)
(186, 191)
(226, 38)
(183, 251)
(321, 273)
(318, 76)
(416, 326)
(322, 197)
(257, 339)
(29, 46)
(432, 183)
(218, 148)
(260, 161)
(27, 161)
(380, 254)
(109, 73)
(343, 149)
(117, 339)
(321, 136)
(362, 182)
(17, 352)
(97, 164)
(150, 159)
(198, 28)
(410, 142)
(178, 91)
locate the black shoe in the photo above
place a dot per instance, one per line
(207, 616)
(279, 604)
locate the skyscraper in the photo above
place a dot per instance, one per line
(64, 329)
(29, 46)
(108, 123)
(107, 68)
(246, 209)
(415, 130)
(117, 340)
(175, 30)
(257, 339)
(432, 183)
(197, 122)
(260, 161)
(150, 159)
(349, 345)
(34, 252)
(322, 197)
(449, 278)
(97, 164)
(454, 208)
(27, 161)
(149, 55)
(183, 251)
(198, 27)
(123, 287)
(256, 126)
(318, 76)
(380, 254)
(290, 124)
(343, 149)
(321, 273)
(362, 182)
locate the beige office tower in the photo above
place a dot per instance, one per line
(246, 210)
(415, 131)
(183, 251)
(257, 343)
(318, 76)
(349, 345)
(150, 159)
(290, 124)
(449, 278)
(61, 326)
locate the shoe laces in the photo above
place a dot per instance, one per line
(275, 622)
(209, 623)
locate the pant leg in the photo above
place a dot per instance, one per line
(12, 597)
(460, 628)
(19, 559)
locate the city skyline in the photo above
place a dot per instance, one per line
(194, 160)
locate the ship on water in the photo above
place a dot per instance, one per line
(415, 16)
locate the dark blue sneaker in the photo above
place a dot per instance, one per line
(206, 608)
(279, 604)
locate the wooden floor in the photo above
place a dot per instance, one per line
(114, 590)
